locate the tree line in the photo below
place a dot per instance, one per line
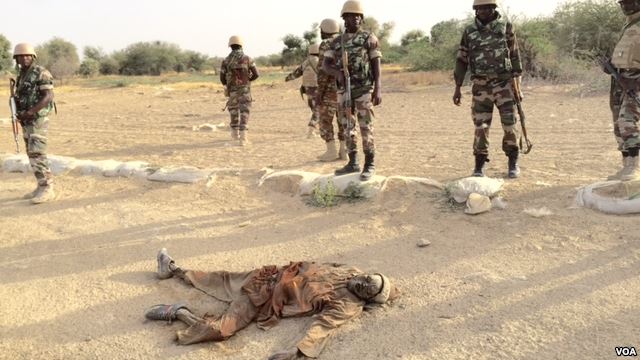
(552, 47)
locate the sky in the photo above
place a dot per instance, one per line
(205, 25)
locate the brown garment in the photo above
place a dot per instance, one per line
(268, 294)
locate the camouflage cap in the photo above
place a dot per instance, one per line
(24, 49)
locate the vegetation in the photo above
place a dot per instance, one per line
(559, 47)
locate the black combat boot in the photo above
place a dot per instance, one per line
(481, 159)
(514, 169)
(351, 167)
(369, 167)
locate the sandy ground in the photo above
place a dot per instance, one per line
(76, 274)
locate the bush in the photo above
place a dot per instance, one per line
(326, 196)
(89, 67)
(59, 56)
(6, 61)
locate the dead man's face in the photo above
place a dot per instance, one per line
(629, 7)
(366, 286)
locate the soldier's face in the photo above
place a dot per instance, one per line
(24, 60)
(352, 21)
(629, 7)
(485, 12)
(365, 286)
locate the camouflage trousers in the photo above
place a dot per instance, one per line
(35, 140)
(311, 92)
(363, 111)
(328, 109)
(486, 94)
(626, 125)
(239, 106)
(615, 103)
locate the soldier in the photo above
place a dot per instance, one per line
(236, 73)
(327, 97)
(626, 60)
(34, 101)
(363, 55)
(490, 51)
(309, 72)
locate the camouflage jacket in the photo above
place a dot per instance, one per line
(308, 70)
(361, 47)
(236, 69)
(625, 55)
(28, 87)
(490, 51)
(326, 82)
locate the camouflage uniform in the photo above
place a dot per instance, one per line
(28, 87)
(615, 103)
(361, 47)
(491, 53)
(309, 72)
(236, 70)
(626, 58)
(328, 107)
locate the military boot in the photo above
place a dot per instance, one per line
(514, 169)
(34, 193)
(481, 159)
(45, 195)
(234, 134)
(369, 167)
(342, 152)
(332, 152)
(351, 167)
(625, 165)
(244, 141)
(633, 171)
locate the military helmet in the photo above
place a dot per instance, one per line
(235, 40)
(329, 26)
(314, 49)
(484, 2)
(352, 7)
(24, 49)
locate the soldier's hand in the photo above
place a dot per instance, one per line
(287, 355)
(376, 97)
(457, 96)
(27, 116)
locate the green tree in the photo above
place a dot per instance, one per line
(6, 61)
(412, 37)
(95, 53)
(59, 56)
(89, 67)
(294, 50)
(150, 58)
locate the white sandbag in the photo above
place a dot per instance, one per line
(624, 204)
(346, 185)
(460, 190)
(61, 164)
(139, 169)
(181, 174)
(288, 181)
(16, 163)
(477, 204)
(205, 127)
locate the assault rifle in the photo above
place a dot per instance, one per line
(347, 102)
(606, 64)
(14, 113)
(517, 92)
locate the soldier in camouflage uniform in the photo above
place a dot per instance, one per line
(236, 73)
(363, 52)
(626, 112)
(34, 101)
(309, 72)
(490, 51)
(327, 97)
